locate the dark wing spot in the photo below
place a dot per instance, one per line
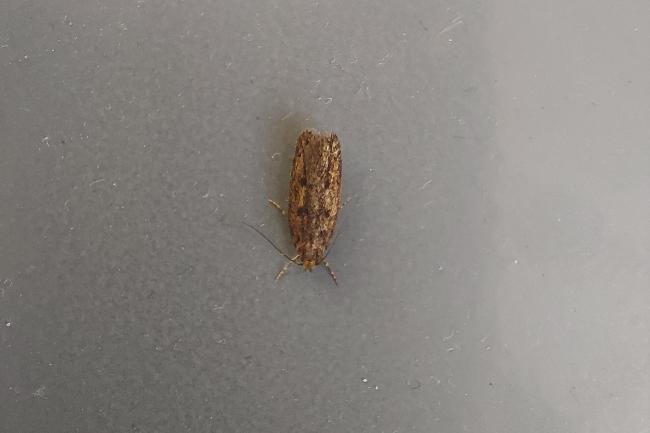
(302, 211)
(303, 181)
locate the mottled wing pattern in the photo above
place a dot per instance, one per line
(314, 195)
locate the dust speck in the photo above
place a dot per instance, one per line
(40, 392)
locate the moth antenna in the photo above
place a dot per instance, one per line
(271, 242)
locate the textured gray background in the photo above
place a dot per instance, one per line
(493, 256)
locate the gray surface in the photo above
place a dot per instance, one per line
(493, 256)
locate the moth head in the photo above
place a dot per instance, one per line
(309, 264)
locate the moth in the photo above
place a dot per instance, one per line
(314, 200)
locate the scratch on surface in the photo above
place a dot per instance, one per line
(463, 137)
(383, 59)
(286, 116)
(424, 185)
(96, 181)
(454, 23)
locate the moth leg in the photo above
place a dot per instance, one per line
(285, 268)
(276, 205)
(331, 272)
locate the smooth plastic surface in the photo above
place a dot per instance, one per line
(493, 256)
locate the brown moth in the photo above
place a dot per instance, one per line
(314, 198)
